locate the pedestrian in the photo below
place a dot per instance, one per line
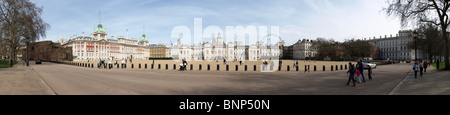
(123, 61)
(109, 63)
(352, 71)
(279, 63)
(307, 69)
(421, 68)
(415, 70)
(240, 62)
(361, 70)
(271, 65)
(370, 72)
(358, 74)
(224, 61)
(293, 65)
(425, 65)
(99, 64)
(184, 65)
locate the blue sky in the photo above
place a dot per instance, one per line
(297, 19)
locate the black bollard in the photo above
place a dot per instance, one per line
(245, 67)
(132, 66)
(331, 67)
(345, 67)
(323, 67)
(337, 68)
(315, 67)
(209, 67)
(254, 67)
(279, 68)
(200, 67)
(237, 67)
(152, 66)
(288, 68)
(167, 66)
(159, 66)
(227, 68)
(341, 67)
(145, 66)
(192, 67)
(139, 66)
(218, 67)
(89, 65)
(305, 68)
(174, 67)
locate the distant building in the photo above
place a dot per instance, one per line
(302, 49)
(97, 46)
(158, 51)
(47, 51)
(231, 51)
(395, 48)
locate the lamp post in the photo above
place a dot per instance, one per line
(415, 45)
(26, 56)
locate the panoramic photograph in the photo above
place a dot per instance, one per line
(224, 47)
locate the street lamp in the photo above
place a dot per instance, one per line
(415, 34)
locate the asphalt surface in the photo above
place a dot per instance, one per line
(73, 80)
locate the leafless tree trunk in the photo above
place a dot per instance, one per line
(20, 23)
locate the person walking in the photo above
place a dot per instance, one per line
(279, 63)
(271, 65)
(361, 70)
(109, 63)
(415, 70)
(357, 78)
(421, 68)
(370, 72)
(425, 65)
(352, 71)
(184, 65)
(123, 62)
(295, 64)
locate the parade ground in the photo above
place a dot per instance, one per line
(63, 79)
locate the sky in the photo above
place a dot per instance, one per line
(296, 19)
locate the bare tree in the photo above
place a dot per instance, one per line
(429, 40)
(423, 11)
(20, 23)
(357, 48)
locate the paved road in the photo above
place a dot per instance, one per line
(68, 80)
(22, 81)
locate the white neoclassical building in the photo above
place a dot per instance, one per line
(218, 50)
(302, 49)
(98, 46)
(395, 47)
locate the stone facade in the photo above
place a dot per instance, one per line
(47, 51)
(395, 48)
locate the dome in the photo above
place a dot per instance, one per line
(100, 28)
(143, 38)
